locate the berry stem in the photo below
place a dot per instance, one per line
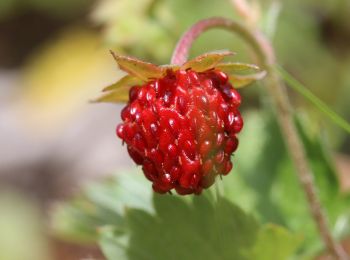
(266, 58)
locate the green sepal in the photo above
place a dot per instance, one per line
(119, 95)
(206, 61)
(240, 81)
(125, 82)
(137, 68)
(233, 67)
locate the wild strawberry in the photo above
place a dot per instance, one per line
(180, 123)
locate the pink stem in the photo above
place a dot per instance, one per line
(265, 53)
(256, 39)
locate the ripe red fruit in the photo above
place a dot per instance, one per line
(181, 120)
(182, 129)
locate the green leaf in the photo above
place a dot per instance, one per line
(197, 230)
(296, 85)
(125, 82)
(206, 61)
(240, 81)
(140, 69)
(275, 242)
(202, 228)
(120, 215)
(232, 67)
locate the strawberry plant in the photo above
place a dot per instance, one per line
(181, 124)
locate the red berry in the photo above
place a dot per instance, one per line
(182, 129)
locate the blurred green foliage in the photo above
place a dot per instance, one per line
(265, 182)
(149, 29)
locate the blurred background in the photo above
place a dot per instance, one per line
(54, 58)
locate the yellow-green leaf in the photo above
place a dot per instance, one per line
(239, 81)
(232, 67)
(126, 81)
(140, 69)
(206, 61)
(119, 95)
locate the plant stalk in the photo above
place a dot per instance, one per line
(266, 58)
